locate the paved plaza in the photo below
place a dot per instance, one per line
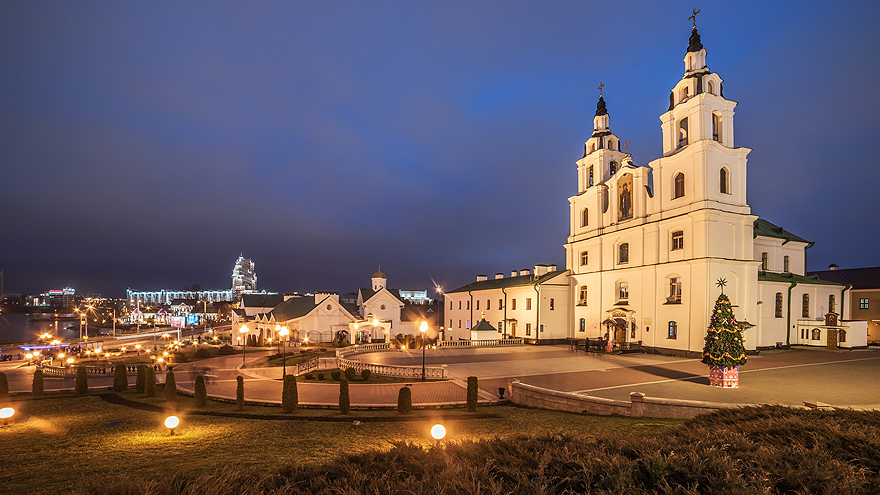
(837, 378)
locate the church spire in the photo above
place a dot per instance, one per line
(600, 106)
(694, 43)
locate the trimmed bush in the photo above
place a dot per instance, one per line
(120, 378)
(344, 399)
(200, 393)
(150, 383)
(239, 392)
(366, 374)
(321, 376)
(141, 382)
(4, 386)
(404, 400)
(170, 387)
(226, 350)
(472, 394)
(350, 374)
(82, 380)
(289, 394)
(335, 374)
(37, 385)
(180, 357)
(202, 353)
(310, 376)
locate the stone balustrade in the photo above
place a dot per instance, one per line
(364, 348)
(482, 343)
(394, 371)
(69, 371)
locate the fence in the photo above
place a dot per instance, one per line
(415, 372)
(308, 365)
(67, 371)
(363, 348)
(482, 343)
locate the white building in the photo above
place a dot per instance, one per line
(648, 245)
(244, 278)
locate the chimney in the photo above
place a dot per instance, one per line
(499, 276)
(482, 278)
(513, 273)
(524, 271)
(541, 270)
(832, 266)
(552, 268)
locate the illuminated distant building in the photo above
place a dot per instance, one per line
(244, 281)
(244, 278)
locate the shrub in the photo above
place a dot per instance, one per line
(321, 376)
(335, 374)
(226, 350)
(82, 380)
(322, 349)
(309, 376)
(202, 353)
(472, 394)
(350, 374)
(4, 386)
(366, 374)
(239, 392)
(404, 400)
(200, 393)
(170, 387)
(120, 378)
(289, 394)
(141, 381)
(150, 383)
(344, 399)
(37, 385)
(180, 357)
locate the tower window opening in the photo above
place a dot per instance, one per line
(724, 178)
(712, 87)
(684, 93)
(677, 240)
(591, 177)
(716, 127)
(584, 258)
(678, 189)
(623, 253)
(585, 217)
(609, 144)
(613, 168)
(765, 261)
(683, 132)
(582, 300)
(623, 292)
(785, 263)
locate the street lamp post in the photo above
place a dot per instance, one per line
(424, 329)
(243, 330)
(282, 341)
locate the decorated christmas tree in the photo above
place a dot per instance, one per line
(724, 346)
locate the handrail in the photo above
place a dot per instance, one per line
(395, 371)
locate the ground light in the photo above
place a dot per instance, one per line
(5, 414)
(171, 422)
(438, 431)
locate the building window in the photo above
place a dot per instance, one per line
(501, 326)
(583, 327)
(841, 335)
(677, 240)
(541, 328)
(584, 258)
(831, 305)
(450, 304)
(678, 189)
(467, 324)
(459, 323)
(488, 304)
(450, 323)
(591, 176)
(863, 303)
(528, 303)
(623, 253)
(585, 217)
(716, 127)
(779, 304)
(674, 290)
(459, 304)
(765, 261)
(712, 87)
(623, 292)
(725, 181)
(683, 132)
(501, 304)
(613, 168)
(528, 328)
(468, 305)
(805, 308)
(478, 305)
(673, 330)
(582, 299)
(785, 261)
(817, 334)
(551, 304)
(513, 304)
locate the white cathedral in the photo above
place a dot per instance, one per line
(648, 245)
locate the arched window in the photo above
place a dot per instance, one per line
(805, 309)
(623, 292)
(841, 335)
(591, 177)
(583, 327)
(677, 240)
(592, 148)
(674, 290)
(623, 254)
(785, 261)
(609, 144)
(673, 330)
(683, 132)
(582, 297)
(684, 93)
(678, 186)
(585, 217)
(613, 167)
(765, 261)
(724, 177)
(716, 127)
(712, 87)
(779, 304)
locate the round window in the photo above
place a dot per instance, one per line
(382, 307)
(329, 307)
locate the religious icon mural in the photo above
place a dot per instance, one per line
(624, 191)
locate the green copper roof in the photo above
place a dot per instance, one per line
(791, 277)
(484, 326)
(767, 229)
(507, 282)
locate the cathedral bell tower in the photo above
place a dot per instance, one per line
(602, 151)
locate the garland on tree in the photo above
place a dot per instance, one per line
(725, 345)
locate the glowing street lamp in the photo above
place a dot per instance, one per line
(171, 422)
(283, 333)
(438, 431)
(5, 414)
(138, 347)
(243, 330)
(424, 329)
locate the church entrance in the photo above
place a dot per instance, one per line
(620, 325)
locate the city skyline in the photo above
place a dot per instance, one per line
(147, 149)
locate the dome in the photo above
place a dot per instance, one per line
(379, 274)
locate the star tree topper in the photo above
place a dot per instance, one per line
(721, 283)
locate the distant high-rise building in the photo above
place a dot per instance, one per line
(1, 285)
(244, 278)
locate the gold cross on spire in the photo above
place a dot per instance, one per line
(626, 146)
(694, 17)
(601, 85)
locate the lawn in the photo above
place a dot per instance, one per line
(57, 443)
